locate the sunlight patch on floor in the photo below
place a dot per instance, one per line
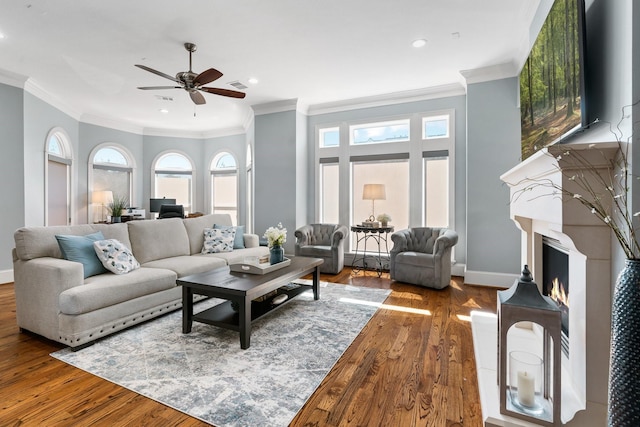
(387, 306)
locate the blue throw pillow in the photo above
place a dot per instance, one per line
(238, 242)
(80, 249)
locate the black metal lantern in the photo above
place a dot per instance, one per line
(529, 378)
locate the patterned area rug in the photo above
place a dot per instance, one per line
(205, 373)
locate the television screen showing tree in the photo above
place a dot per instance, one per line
(551, 81)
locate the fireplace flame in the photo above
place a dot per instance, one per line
(558, 293)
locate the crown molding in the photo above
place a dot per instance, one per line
(36, 90)
(442, 91)
(111, 123)
(275, 107)
(492, 72)
(12, 79)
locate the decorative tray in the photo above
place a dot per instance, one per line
(253, 268)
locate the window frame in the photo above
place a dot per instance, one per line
(64, 157)
(131, 168)
(155, 170)
(213, 172)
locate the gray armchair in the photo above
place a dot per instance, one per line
(324, 241)
(422, 256)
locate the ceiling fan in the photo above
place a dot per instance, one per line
(192, 82)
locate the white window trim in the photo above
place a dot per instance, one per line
(152, 194)
(131, 164)
(415, 146)
(67, 154)
(229, 171)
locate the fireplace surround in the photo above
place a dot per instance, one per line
(587, 244)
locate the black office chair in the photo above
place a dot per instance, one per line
(171, 211)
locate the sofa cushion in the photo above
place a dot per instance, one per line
(237, 255)
(195, 226)
(106, 290)
(218, 240)
(38, 242)
(158, 239)
(118, 231)
(238, 241)
(115, 256)
(188, 264)
(80, 249)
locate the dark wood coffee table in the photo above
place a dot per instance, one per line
(242, 289)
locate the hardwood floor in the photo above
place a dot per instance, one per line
(412, 365)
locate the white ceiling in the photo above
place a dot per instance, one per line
(82, 53)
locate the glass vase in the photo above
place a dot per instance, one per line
(276, 254)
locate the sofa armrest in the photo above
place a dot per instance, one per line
(38, 284)
(251, 240)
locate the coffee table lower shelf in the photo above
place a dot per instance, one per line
(224, 316)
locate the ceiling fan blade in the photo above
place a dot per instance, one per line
(159, 73)
(197, 97)
(224, 92)
(207, 76)
(159, 87)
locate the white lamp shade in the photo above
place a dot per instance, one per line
(373, 192)
(102, 197)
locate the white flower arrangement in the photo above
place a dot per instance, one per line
(276, 236)
(383, 217)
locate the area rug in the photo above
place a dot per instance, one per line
(206, 375)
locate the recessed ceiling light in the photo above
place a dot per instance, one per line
(253, 81)
(419, 43)
(163, 110)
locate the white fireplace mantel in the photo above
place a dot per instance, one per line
(539, 214)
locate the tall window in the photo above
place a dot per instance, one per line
(436, 189)
(224, 185)
(394, 175)
(111, 169)
(58, 178)
(173, 173)
(329, 194)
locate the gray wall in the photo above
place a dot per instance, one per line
(275, 173)
(12, 186)
(493, 147)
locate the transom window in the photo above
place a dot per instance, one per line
(330, 137)
(435, 127)
(383, 132)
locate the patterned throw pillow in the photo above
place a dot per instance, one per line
(238, 242)
(115, 256)
(218, 240)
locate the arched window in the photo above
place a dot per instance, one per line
(58, 178)
(224, 185)
(173, 179)
(111, 169)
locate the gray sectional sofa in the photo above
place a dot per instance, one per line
(53, 299)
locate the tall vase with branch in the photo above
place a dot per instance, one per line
(602, 183)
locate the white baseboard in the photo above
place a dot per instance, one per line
(486, 278)
(458, 269)
(6, 276)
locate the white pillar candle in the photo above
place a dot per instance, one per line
(526, 388)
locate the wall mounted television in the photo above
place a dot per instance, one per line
(552, 97)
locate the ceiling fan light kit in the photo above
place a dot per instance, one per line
(192, 82)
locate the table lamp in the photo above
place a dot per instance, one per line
(373, 192)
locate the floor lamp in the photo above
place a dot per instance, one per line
(373, 192)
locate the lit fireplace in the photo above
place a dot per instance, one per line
(555, 279)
